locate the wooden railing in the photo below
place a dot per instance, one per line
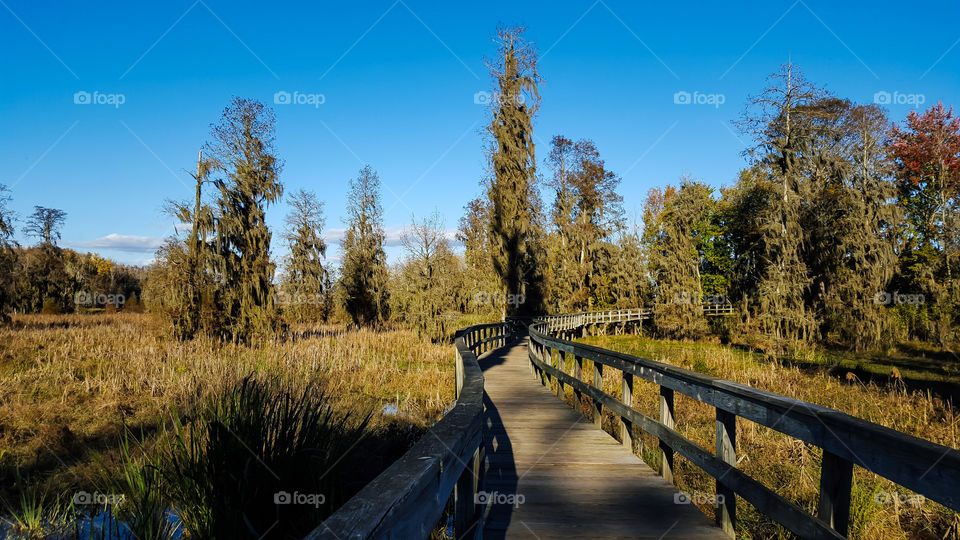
(571, 321)
(407, 500)
(928, 469)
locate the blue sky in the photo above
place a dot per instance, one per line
(398, 80)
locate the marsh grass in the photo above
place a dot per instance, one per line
(788, 466)
(232, 470)
(37, 512)
(138, 477)
(71, 385)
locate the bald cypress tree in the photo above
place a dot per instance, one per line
(674, 223)
(363, 274)
(249, 181)
(306, 278)
(187, 295)
(850, 222)
(779, 121)
(516, 229)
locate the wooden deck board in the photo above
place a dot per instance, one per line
(567, 479)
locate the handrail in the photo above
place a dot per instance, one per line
(569, 321)
(926, 468)
(408, 499)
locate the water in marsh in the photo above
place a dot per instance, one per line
(101, 525)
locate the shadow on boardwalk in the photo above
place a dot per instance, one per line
(551, 474)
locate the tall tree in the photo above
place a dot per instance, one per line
(561, 240)
(674, 224)
(243, 149)
(515, 227)
(778, 120)
(363, 274)
(586, 211)
(926, 153)
(480, 277)
(44, 224)
(194, 287)
(430, 283)
(306, 278)
(849, 221)
(628, 269)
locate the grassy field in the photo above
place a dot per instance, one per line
(69, 384)
(880, 509)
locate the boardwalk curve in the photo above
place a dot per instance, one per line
(550, 474)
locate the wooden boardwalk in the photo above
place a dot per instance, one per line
(551, 474)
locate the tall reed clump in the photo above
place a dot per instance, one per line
(144, 510)
(259, 458)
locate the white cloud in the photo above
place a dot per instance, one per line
(122, 242)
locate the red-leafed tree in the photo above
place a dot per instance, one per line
(927, 154)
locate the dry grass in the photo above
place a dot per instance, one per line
(791, 467)
(68, 383)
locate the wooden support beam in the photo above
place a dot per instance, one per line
(667, 419)
(466, 510)
(836, 477)
(598, 383)
(558, 363)
(726, 498)
(626, 428)
(578, 374)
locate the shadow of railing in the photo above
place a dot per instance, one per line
(500, 469)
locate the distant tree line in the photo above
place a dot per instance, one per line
(45, 278)
(842, 229)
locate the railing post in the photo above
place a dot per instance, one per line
(531, 354)
(548, 361)
(466, 510)
(836, 476)
(458, 377)
(726, 500)
(667, 419)
(598, 382)
(557, 364)
(578, 375)
(626, 427)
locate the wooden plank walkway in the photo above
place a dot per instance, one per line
(551, 474)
